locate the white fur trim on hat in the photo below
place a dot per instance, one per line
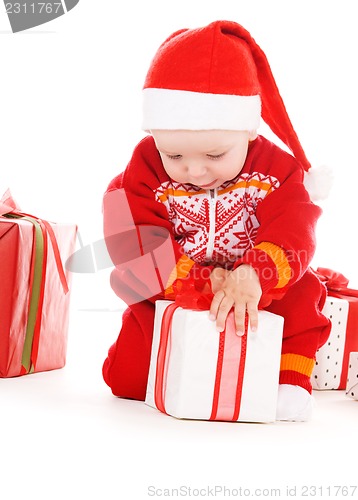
(165, 109)
(318, 182)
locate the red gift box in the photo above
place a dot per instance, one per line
(34, 291)
(337, 286)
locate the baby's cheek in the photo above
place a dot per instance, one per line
(229, 171)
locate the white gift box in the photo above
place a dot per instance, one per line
(202, 374)
(352, 379)
(327, 372)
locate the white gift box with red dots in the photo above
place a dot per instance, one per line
(327, 372)
(352, 379)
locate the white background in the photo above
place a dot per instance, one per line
(70, 115)
(71, 105)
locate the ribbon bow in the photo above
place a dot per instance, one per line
(335, 281)
(9, 208)
(189, 295)
(8, 205)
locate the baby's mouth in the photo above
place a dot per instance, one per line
(207, 186)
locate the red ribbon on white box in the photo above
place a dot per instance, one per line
(229, 373)
(230, 364)
(229, 369)
(196, 372)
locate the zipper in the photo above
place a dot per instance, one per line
(212, 223)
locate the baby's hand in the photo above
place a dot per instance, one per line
(240, 289)
(218, 277)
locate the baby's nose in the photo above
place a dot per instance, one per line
(196, 169)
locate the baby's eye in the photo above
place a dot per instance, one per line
(216, 157)
(174, 157)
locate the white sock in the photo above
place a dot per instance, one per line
(294, 403)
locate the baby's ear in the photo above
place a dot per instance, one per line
(252, 135)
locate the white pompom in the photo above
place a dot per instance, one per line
(318, 182)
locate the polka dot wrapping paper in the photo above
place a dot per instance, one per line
(330, 371)
(352, 379)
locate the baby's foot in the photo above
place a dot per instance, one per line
(294, 403)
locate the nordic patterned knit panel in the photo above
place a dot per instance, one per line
(223, 219)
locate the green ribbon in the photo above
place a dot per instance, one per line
(34, 292)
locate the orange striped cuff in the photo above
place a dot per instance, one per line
(278, 256)
(297, 363)
(181, 270)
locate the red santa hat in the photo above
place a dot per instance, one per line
(217, 77)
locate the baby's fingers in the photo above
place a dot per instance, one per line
(253, 317)
(220, 308)
(240, 317)
(215, 304)
(240, 313)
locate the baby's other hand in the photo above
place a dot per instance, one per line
(240, 289)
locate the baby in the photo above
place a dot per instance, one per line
(232, 204)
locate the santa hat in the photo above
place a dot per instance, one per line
(217, 77)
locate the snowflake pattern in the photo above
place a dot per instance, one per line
(195, 214)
